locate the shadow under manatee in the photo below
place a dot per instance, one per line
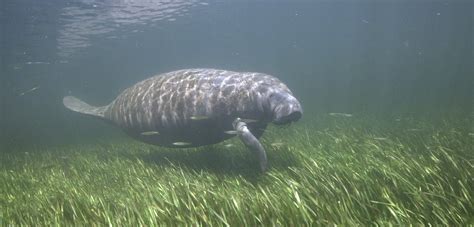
(221, 160)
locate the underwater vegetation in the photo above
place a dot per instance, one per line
(349, 170)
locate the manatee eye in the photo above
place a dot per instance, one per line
(276, 98)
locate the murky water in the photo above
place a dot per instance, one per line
(379, 81)
(337, 57)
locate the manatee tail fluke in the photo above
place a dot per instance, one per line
(79, 106)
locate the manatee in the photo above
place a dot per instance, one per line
(196, 107)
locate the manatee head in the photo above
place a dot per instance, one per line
(284, 107)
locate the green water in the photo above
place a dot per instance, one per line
(386, 135)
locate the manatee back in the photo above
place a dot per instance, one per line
(194, 106)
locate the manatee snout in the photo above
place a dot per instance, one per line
(285, 108)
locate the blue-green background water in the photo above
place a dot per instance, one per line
(361, 57)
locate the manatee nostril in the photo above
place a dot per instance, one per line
(284, 108)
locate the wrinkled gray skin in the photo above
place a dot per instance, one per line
(197, 106)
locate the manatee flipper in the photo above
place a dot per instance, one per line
(251, 142)
(77, 105)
